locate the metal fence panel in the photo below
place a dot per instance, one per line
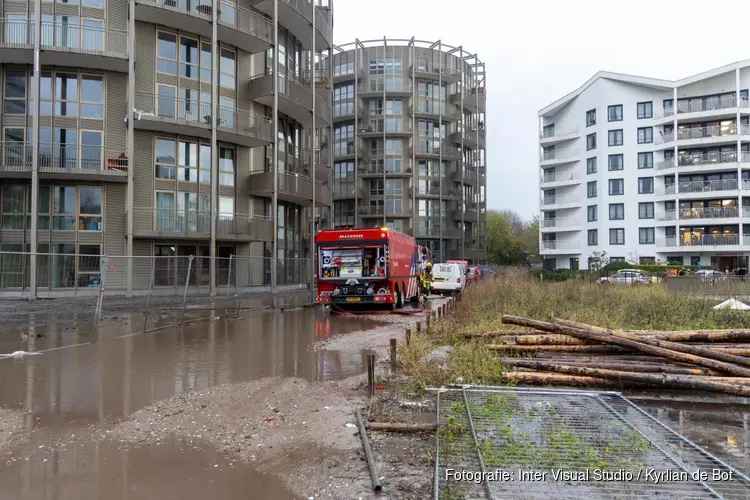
(533, 443)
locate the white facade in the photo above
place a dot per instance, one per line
(680, 192)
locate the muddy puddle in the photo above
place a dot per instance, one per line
(103, 470)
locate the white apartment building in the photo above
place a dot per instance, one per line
(646, 169)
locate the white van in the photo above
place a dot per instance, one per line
(448, 278)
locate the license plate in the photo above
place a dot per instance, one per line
(439, 279)
(353, 299)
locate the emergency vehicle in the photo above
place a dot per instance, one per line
(370, 266)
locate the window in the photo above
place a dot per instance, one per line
(645, 110)
(616, 211)
(591, 189)
(205, 164)
(64, 206)
(646, 210)
(645, 185)
(645, 135)
(14, 102)
(646, 236)
(591, 117)
(617, 236)
(226, 166)
(166, 53)
(187, 168)
(614, 113)
(90, 209)
(615, 162)
(394, 187)
(227, 70)
(89, 265)
(593, 237)
(592, 213)
(591, 142)
(189, 57)
(166, 163)
(66, 94)
(206, 60)
(591, 165)
(92, 97)
(616, 187)
(615, 137)
(646, 160)
(13, 206)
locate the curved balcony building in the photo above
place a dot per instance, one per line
(155, 128)
(408, 142)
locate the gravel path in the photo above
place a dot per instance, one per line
(11, 429)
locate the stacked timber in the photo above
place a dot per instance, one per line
(570, 353)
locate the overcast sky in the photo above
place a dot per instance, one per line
(537, 51)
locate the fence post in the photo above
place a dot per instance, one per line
(229, 277)
(371, 373)
(187, 283)
(100, 296)
(150, 289)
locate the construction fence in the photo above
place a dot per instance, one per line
(93, 288)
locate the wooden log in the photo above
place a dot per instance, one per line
(741, 335)
(660, 380)
(626, 367)
(669, 353)
(546, 378)
(551, 339)
(556, 348)
(401, 427)
(674, 346)
(730, 350)
(501, 333)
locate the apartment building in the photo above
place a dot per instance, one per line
(409, 142)
(148, 129)
(648, 170)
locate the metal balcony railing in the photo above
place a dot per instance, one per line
(172, 220)
(244, 20)
(705, 132)
(200, 8)
(558, 245)
(560, 222)
(172, 109)
(689, 160)
(243, 122)
(703, 213)
(559, 132)
(559, 177)
(18, 157)
(701, 186)
(707, 104)
(70, 37)
(689, 240)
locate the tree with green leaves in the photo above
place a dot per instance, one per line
(508, 236)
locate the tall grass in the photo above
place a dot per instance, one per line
(647, 307)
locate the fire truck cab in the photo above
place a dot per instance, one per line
(372, 266)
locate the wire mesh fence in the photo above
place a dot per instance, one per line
(497, 442)
(93, 288)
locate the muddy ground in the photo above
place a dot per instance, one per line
(11, 430)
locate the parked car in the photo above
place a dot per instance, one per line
(710, 275)
(626, 277)
(447, 278)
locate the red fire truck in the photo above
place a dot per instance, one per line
(371, 266)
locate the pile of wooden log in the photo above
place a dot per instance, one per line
(569, 353)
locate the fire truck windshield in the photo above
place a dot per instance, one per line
(338, 263)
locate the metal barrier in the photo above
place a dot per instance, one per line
(172, 288)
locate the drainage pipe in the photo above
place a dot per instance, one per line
(368, 452)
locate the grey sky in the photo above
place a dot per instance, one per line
(539, 50)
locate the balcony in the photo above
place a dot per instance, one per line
(705, 240)
(84, 46)
(64, 161)
(435, 113)
(346, 190)
(292, 187)
(354, 74)
(560, 247)
(702, 213)
(697, 136)
(471, 212)
(429, 71)
(296, 16)
(559, 157)
(295, 99)
(548, 202)
(377, 132)
(435, 153)
(368, 171)
(473, 101)
(369, 212)
(697, 187)
(473, 138)
(556, 135)
(474, 253)
(440, 231)
(184, 224)
(437, 192)
(557, 179)
(711, 107)
(349, 151)
(702, 160)
(468, 176)
(560, 224)
(244, 28)
(344, 111)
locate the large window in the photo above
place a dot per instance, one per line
(614, 113)
(616, 187)
(646, 210)
(181, 160)
(591, 165)
(73, 207)
(617, 236)
(591, 141)
(646, 236)
(616, 211)
(183, 212)
(592, 213)
(615, 162)
(645, 110)
(591, 189)
(645, 135)
(59, 148)
(63, 94)
(646, 160)
(343, 139)
(228, 68)
(14, 98)
(343, 100)
(593, 237)
(226, 165)
(645, 185)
